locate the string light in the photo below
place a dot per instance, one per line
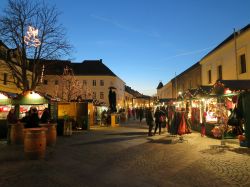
(31, 39)
(42, 74)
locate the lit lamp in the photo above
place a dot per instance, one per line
(33, 95)
(2, 96)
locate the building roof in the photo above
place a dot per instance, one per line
(132, 91)
(228, 39)
(92, 67)
(160, 85)
(197, 64)
(54, 67)
(87, 67)
(236, 84)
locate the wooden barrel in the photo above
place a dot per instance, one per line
(51, 133)
(35, 143)
(16, 133)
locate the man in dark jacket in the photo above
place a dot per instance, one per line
(158, 115)
(149, 120)
(33, 120)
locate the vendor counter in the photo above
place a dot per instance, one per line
(208, 128)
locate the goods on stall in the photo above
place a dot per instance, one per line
(216, 132)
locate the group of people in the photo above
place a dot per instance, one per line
(159, 117)
(31, 118)
(136, 113)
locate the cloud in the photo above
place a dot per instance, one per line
(153, 34)
(189, 53)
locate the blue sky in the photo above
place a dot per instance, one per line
(147, 41)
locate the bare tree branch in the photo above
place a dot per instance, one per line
(18, 16)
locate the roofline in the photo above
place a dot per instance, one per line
(227, 40)
(187, 70)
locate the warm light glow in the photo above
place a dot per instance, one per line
(3, 96)
(31, 39)
(33, 95)
(228, 91)
(179, 93)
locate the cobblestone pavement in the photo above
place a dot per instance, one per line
(126, 156)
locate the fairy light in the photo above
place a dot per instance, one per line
(42, 74)
(31, 37)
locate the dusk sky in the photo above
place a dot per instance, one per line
(147, 41)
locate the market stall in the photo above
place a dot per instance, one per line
(23, 102)
(5, 106)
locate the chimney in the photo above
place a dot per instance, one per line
(100, 60)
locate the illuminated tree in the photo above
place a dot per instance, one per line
(69, 85)
(32, 29)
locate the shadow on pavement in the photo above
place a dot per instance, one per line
(220, 149)
(160, 141)
(129, 134)
(241, 150)
(216, 149)
(108, 140)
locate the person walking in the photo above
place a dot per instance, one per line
(11, 119)
(158, 115)
(149, 120)
(141, 113)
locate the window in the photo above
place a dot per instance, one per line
(209, 77)
(94, 95)
(84, 83)
(94, 82)
(243, 68)
(101, 82)
(220, 72)
(84, 95)
(101, 95)
(45, 82)
(5, 75)
(56, 82)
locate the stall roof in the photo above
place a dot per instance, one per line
(9, 94)
(200, 91)
(8, 100)
(236, 84)
(166, 100)
(30, 98)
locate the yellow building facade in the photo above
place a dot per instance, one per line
(165, 91)
(96, 86)
(230, 60)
